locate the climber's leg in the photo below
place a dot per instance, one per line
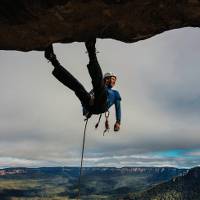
(96, 75)
(67, 78)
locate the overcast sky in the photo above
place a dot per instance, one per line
(41, 123)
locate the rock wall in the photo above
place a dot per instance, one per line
(33, 24)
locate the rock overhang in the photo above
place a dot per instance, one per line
(33, 25)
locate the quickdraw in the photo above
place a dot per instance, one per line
(107, 127)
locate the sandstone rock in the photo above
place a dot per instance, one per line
(33, 24)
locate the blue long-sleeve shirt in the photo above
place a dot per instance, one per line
(114, 98)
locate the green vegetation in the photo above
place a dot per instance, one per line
(61, 183)
(185, 187)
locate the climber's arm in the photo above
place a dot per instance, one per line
(118, 115)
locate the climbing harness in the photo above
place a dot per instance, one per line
(83, 148)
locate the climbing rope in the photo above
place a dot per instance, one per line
(97, 124)
(83, 149)
(83, 146)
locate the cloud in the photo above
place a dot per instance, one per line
(136, 160)
(40, 119)
(195, 153)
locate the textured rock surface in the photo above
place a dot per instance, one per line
(34, 24)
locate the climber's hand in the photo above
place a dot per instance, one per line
(117, 126)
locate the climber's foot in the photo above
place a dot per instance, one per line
(49, 54)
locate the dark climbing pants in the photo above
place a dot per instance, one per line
(98, 105)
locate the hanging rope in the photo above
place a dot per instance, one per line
(182, 185)
(83, 148)
(97, 124)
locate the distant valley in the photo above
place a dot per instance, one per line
(97, 182)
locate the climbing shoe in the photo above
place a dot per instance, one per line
(49, 54)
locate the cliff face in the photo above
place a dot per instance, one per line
(183, 187)
(34, 24)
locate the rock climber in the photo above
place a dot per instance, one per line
(102, 96)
